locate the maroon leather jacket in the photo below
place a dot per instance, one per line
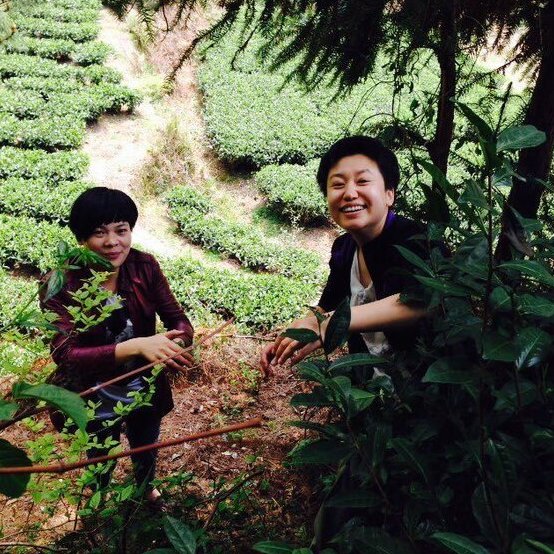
(83, 359)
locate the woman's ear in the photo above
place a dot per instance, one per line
(390, 195)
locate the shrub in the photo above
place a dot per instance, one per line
(82, 14)
(26, 241)
(14, 293)
(45, 28)
(37, 164)
(50, 133)
(250, 247)
(22, 104)
(20, 65)
(292, 191)
(258, 302)
(92, 52)
(39, 199)
(42, 84)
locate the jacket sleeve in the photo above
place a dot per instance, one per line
(336, 288)
(170, 311)
(66, 346)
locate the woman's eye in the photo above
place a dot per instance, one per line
(98, 233)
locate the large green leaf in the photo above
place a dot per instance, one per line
(273, 547)
(7, 409)
(356, 360)
(414, 259)
(453, 370)
(406, 451)
(532, 269)
(540, 546)
(358, 401)
(337, 328)
(536, 305)
(498, 347)
(517, 138)
(301, 335)
(68, 402)
(442, 286)
(319, 452)
(473, 195)
(533, 345)
(180, 536)
(483, 128)
(439, 178)
(458, 543)
(501, 300)
(13, 485)
(507, 397)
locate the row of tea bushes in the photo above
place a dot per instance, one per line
(199, 223)
(50, 28)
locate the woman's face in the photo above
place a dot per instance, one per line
(112, 241)
(356, 195)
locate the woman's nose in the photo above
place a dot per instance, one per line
(111, 239)
(350, 191)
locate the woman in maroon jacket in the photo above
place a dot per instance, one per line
(103, 219)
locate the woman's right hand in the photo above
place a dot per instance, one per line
(159, 347)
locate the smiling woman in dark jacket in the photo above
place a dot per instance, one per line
(103, 220)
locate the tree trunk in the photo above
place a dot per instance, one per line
(439, 149)
(534, 163)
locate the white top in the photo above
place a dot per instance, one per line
(375, 341)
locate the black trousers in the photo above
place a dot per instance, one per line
(142, 427)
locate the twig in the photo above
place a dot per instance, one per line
(225, 494)
(253, 337)
(31, 545)
(62, 468)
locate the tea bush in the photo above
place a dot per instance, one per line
(242, 242)
(19, 244)
(39, 199)
(50, 133)
(38, 164)
(87, 53)
(22, 104)
(257, 301)
(46, 28)
(14, 292)
(55, 11)
(292, 191)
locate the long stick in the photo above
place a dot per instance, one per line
(33, 411)
(62, 468)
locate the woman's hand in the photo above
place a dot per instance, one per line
(156, 348)
(285, 348)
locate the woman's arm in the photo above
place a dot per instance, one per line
(374, 316)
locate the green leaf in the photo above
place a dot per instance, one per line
(301, 335)
(273, 547)
(442, 286)
(414, 259)
(309, 371)
(498, 347)
(518, 138)
(358, 401)
(354, 499)
(161, 551)
(7, 409)
(13, 485)
(68, 402)
(507, 396)
(55, 284)
(536, 305)
(180, 536)
(452, 370)
(437, 206)
(473, 195)
(319, 452)
(484, 130)
(316, 398)
(501, 300)
(458, 543)
(302, 551)
(406, 451)
(533, 345)
(356, 360)
(532, 269)
(439, 178)
(336, 333)
(540, 546)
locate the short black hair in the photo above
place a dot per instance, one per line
(360, 144)
(100, 206)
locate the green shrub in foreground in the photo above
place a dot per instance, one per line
(59, 13)
(258, 302)
(246, 244)
(26, 241)
(39, 199)
(292, 191)
(14, 293)
(38, 164)
(50, 133)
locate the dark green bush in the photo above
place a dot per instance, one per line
(292, 191)
(246, 244)
(39, 199)
(259, 302)
(41, 165)
(45, 28)
(50, 133)
(55, 12)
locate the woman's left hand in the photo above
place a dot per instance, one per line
(286, 348)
